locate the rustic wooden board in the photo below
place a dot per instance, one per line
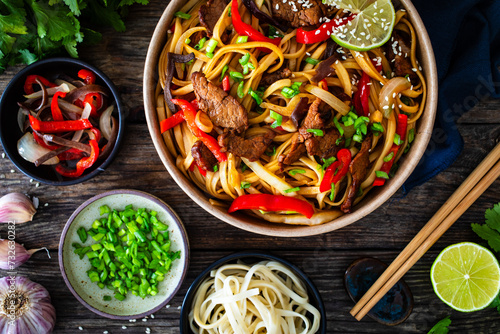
(383, 234)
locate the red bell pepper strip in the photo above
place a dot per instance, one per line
(362, 96)
(54, 106)
(39, 140)
(226, 85)
(172, 121)
(202, 171)
(97, 134)
(87, 76)
(194, 103)
(70, 154)
(189, 115)
(31, 80)
(323, 84)
(82, 164)
(59, 126)
(323, 32)
(386, 166)
(244, 29)
(269, 202)
(336, 170)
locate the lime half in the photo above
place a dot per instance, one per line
(371, 27)
(466, 276)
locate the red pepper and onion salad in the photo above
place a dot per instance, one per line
(265, 112)
(67, 122)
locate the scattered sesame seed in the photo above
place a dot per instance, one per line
(37, 185)
(414, 69)
(132, 320)
(124, 327)
(2, 176)
(12, 170)
(169, 31)
(385, 107)
(80, 328)
(277, 6)
(308, 53)
(178, 307)
(152, 316)
(46, 204)
(144, 319)
(3, 155)
(168, 306)
(105, 332)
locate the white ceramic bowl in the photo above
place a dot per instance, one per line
(74, 269)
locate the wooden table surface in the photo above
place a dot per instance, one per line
(382, 234)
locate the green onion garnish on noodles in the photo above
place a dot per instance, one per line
(316, 132)
(224, 69)
(278, 119)
(241, 39)
(383, 175)
(388, 157)
(212, 44)
(182, 15)
(312, 61)
(296, 171)
(291, 190)
(245, 185)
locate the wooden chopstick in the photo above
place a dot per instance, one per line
(477, 182)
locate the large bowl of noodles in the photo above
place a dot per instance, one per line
(272, 170)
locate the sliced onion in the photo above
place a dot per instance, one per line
(389, 92)
(329, 98)
(203, 122)
(105, 122)
(21, 117)
(50, 91)
(60, 82)
(80, 92)
(31, 151)
(85, 115)
(69, 107)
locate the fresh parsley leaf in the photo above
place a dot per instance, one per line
(496, 303)
(485, 232)
(493, 217)
(441, 327)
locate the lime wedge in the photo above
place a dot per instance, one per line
(466, 276)
(371, 27)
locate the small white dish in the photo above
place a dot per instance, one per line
(74, 269)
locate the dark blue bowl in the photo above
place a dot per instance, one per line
(10, 132)
(251, 257)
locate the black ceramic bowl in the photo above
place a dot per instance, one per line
(10, 132)
(251, 257)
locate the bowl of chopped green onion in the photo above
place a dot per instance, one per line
(124, 254)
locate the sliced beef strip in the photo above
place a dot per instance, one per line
(203, 156)
(315, 119)
(210, 14)
(297, 150)
(269, 78)
(358, 168)
(223, 109)
(251, 148)
(339, 92)
(302, 16)
(325, 146)
(398, 50)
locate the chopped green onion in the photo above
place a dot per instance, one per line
(348, 121)
(273, 32)
(236, 76)
(209, 55)
(182, 15)
(224, 69)
(357, 138)
(328, 162)
(312, 61)
(82, 234)
(332, 193)
(383, 175)
(296, 171)
(411, 135)
(255, 96)
(291, 190)
(360, 192)
(291, 91)
(187, 41)
(240, 91)
(361, 121)
(278, 119)
(397, 139)
(106, 298)
(241, 39)
(352, 115)
(338, 126)
(377, 127)
(216, 168)
(104, 209)
(212, 44)
(244, 60)
(243, 167)
(316, 132)
(200, 44)
(245, 185)
(389, 157)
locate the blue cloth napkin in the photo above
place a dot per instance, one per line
(465, 36)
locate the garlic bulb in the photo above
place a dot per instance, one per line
(17, 208)
(25, 307)
(20, 254)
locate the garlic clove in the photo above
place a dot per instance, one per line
(8, 247)
(17, 208)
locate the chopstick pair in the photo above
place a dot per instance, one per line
(468, 192)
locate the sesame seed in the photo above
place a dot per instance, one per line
(3, 155)
(178, 307)
(317, 32)
(385, 107)
(277, 6)
(132, 320)
(414, 69)
(46, 204)
(12, 170)
(37, 185)
(105, 332)
(124, 327)
(168, 306)
(169, 31)
(80, 328)
(144, 320)
(31, 180)
(308, 53)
